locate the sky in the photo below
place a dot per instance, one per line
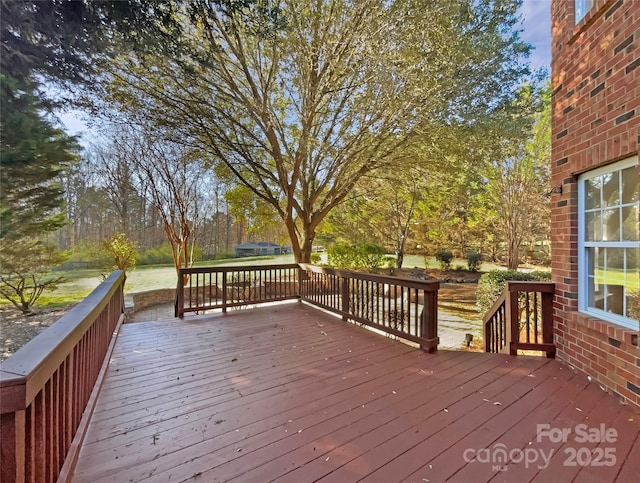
(536, 30)
(536, 25)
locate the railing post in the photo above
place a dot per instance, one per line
(345, 297)
(547, 321)
(178, 311)
(301, 273)
(513, 324)
(488, 336)
(430, 321)
(13, 446)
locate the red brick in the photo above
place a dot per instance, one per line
(578, 51)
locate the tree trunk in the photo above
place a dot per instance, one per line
(301, 247)
(513, 256)
(303, 252)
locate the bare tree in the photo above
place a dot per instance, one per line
(172, 175)
(109, 160)
(172, 178)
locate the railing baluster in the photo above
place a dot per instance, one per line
(534, 316)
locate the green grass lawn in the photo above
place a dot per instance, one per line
(411, 261)
(79, 283)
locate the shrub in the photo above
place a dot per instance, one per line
(492, 284)
(156, 256)
(224, 255)
(121, 250)
(24, 271)
(390, 264)
(84, 255)
(444, 257)
(367, 256)
(474, 260)
(341, 255)
(315, 258)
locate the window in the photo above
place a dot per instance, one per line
(609, 243)
(582, 7)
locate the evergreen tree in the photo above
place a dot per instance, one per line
(32, 155)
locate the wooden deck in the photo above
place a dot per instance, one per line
(289, 393)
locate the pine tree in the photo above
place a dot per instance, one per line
(32, 154)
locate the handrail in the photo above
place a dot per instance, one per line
(46, 385)
(521, 319)
(222, 287)
(495, 327)
(403, 307)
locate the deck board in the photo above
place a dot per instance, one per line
(289, 393)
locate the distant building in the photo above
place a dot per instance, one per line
(256, 249)
(594, 218)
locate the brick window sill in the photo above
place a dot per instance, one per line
(611, 330)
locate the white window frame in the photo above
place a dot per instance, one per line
(583, 289)
(582, 7)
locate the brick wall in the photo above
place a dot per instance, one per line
(596, 121)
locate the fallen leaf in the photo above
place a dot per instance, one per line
(328, 458)
(579, 409)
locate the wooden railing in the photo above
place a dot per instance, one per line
(521, 319)
(403, 307)
(47, 388)
(208, 288)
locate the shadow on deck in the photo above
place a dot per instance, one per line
(287, 392)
